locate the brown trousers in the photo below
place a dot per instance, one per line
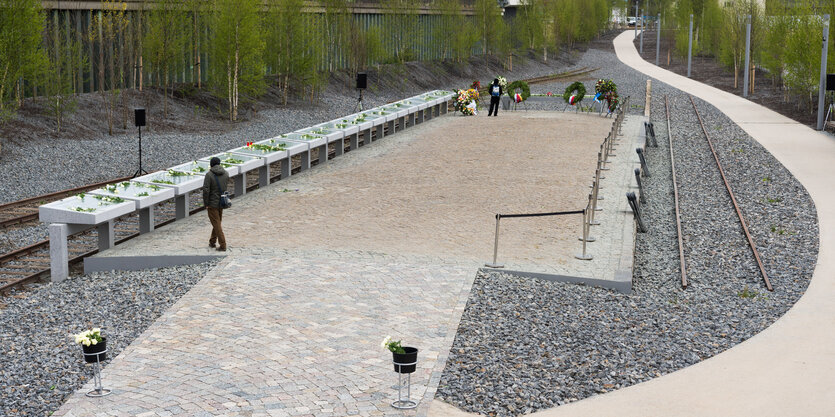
(215, 217)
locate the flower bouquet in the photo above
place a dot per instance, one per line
(93, 344)
(613, 101)
(502, 82)
(465, 101)
(604, 86)
(476, 85)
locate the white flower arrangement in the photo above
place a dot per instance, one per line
(89, 337)
(392, 346)
(502, 81)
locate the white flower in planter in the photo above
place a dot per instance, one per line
(89, 337)
(385, 343)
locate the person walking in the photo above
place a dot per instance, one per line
(495, 97)
(214, 184)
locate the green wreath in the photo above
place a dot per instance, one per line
(569, 91)
(526, 90)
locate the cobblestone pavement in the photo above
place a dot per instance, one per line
(385, 240)
(288, 336)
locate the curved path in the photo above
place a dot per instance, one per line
(787, 369)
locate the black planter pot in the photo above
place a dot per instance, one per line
(95, 353)
(405, 363)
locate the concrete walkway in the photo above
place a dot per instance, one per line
(789, 368)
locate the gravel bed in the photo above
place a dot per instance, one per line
(42, 365)
(526, 344)
(18, 237)
(35, 167)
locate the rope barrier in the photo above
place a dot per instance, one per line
(606, 150)
(556, 213)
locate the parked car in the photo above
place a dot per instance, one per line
(631, 20)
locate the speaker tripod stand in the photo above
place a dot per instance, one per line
(358, 107)
(140, 171)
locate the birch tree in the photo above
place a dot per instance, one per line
(164, 42)
(237, 67)
(404, 28)
(21, 52)
(106, 29)
(59, 76)
(296, 52)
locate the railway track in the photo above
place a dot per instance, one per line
(26, 210)
(682, 262)
(739, 215)
(30, 263)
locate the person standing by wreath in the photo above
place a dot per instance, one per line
(495, 96)
(214, 186)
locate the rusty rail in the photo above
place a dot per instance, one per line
(751, 243)
(683, 265)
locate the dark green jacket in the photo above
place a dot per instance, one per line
(211, 194)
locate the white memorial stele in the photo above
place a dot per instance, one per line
(183, 182)
(311, 139)
(143, 194)
(327, 131)
(84, 209)
(269, 153)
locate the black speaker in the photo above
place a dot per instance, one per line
(362, 80)
(139, 117)
(830, 82)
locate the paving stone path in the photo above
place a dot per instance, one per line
(385, 240)
(288, 336)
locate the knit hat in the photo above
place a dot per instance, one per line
(214, 161)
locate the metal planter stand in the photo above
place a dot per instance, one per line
(98, 390)
(404, 403)
(404, 363)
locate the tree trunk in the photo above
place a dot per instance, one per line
(286, 83)
(235, 86)
(229, 87)
(139, 37)
(164, 80)
(736, 74)
(111, 102)
(101, 55)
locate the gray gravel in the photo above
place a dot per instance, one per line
(41, 364)
(14, 238)
(526, 344)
